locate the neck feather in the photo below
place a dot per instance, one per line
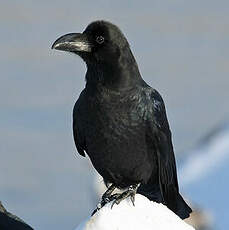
(119, 74)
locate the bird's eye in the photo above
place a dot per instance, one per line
(100, 39)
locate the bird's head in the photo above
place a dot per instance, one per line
(101, 45)
(100, 42)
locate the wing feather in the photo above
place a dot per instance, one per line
(77, 129)
(161, 135)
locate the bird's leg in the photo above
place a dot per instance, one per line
(106, 198)
(130, 192)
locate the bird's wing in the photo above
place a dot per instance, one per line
(77, 129)
(161, 136)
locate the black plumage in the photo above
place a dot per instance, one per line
(120, 121)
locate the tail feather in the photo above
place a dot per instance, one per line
(173, 200)
(152, 192)
(181, 209)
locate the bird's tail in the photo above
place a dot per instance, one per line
(173, 201)
(181, 208)
(152, 192)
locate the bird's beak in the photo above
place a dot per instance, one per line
(74, 42)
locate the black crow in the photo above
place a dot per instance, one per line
(120, 121)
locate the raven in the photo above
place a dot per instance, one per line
(121, 122)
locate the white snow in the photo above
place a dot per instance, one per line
(145, 215)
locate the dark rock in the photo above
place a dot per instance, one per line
(8, 221)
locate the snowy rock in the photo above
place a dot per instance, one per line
(145, 215)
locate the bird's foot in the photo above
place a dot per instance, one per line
(129, 193)
(106, 198)
(98, 207)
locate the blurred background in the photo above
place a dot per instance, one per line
(182, 50)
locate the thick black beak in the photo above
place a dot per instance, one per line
(74, 42)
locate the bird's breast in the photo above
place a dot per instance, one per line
(116, 118)
(115, 133)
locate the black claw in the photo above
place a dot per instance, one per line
(107, 194)
(94, 212)
(112, 204)
(132, 198)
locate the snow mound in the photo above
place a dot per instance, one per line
(145, 215)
